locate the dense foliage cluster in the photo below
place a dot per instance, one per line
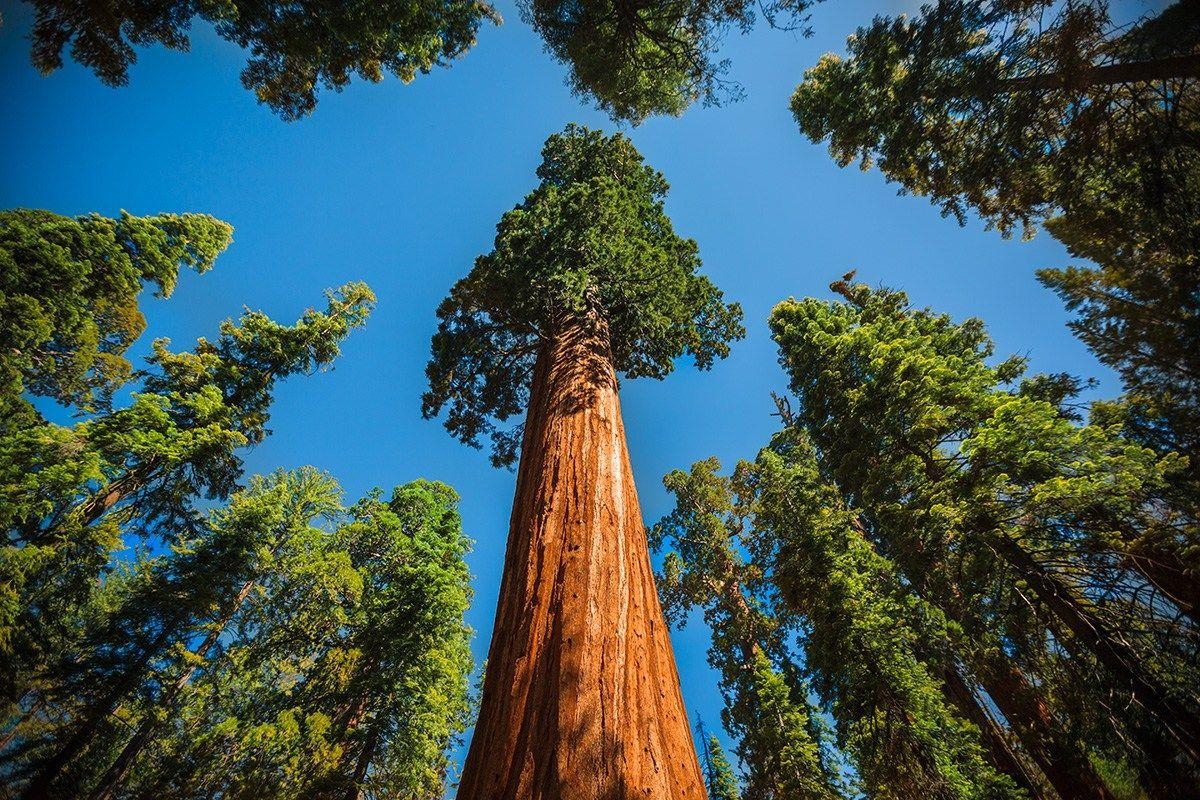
(296, 48)
(590, 245)
(992, 597)
(636, 60)
(165, 629)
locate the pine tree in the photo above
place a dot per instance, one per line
(1019, 523)
(586, 279)
(778, 744)
(635, 60)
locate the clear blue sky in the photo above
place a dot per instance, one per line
(401, 186)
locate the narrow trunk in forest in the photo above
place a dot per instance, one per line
(581, 700)
(115, 774)
(39, 787)
(996, 745)
(1061, 759)
(1110, 650)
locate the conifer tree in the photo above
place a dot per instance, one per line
(635, 60)
(75, 493)
(186, 602)
(587, 279)
(1023, 526)
(1048, 112)
(778, 741)
(719, 780)
(872, 650)
(69, 299)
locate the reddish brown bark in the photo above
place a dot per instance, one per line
(581, 699)
(1063, 762)
(996, 746)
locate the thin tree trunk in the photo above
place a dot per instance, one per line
(581, 700)
(355, 790)
(1169, 574)
(1180, 721)
(1064, 764)
(1158, 69)
(996, 745)
(52, 769)
(117, 771)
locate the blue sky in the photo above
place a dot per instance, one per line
(401, 186)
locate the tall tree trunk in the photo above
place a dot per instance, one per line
(996, 745)
(581, 700)
(1060, 758)
(1156, 69)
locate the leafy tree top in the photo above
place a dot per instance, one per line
(636, 60)
(295, 47)
(1016, 110)
(591, 243)
(69, 295)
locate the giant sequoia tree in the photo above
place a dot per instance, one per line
(587, 279)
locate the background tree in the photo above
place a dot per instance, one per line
(74, 495)
(719, 780)
(1044, 112)
(586, 279)
(779, 743)
(1029, 530)
(635, 60)
(869, 648)
(295, 48)
(69, 299)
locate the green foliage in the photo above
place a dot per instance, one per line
(766, 705)
(719, 779)
(295, 48)
(1048, 112)
(1044, 539)
(637, 60)
(1015, 110)
(291, 648)
(591, 241)
(69, 298)
(74, 493)
(1139, 313)
(865, 642)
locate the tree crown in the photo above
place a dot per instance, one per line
(592, 241)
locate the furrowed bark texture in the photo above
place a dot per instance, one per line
(581, 699)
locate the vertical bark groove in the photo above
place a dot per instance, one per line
(581, 700)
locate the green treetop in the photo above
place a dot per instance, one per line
(719, 779)
(1016, 110)
(69, 297)
(591, 245)
(636, 60)
(295, 48)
